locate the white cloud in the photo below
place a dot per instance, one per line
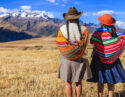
(3, 10)
(63, 5)
(99, 13)
(85, 14)
(56, 3)
(104, 12)
(120, 13)
(120, 23)
(52, 1)
(77, 3)
(26, 8)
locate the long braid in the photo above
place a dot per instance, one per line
(112, 30)
(79, 27)
(67, 25)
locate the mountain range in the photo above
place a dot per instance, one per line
(18, 25)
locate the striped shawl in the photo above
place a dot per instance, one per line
(74, 50)
(107, 47)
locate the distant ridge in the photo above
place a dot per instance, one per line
(35, 24)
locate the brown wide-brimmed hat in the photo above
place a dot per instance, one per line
(72, 14)
(107, 19)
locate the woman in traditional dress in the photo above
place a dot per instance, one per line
(109, 44)
(72, 42)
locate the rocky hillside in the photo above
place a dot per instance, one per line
(35, 24)
(38, 26)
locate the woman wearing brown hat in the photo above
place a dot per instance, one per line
(108, 46)
(72, 42)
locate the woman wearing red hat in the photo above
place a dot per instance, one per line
(108, 46)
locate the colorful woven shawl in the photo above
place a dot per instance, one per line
(107, 47)
(74, 50)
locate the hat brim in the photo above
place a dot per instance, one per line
(72, 17)
(101, 20)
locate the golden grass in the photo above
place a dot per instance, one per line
(32, 72)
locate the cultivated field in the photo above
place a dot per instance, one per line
(28, 68)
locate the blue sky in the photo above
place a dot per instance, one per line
(91, 8)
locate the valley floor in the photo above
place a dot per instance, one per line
(28, 68)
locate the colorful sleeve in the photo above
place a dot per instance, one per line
(93, 37)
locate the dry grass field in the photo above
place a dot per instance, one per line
(29, 68)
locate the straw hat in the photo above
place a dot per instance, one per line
(72, 14)
(107, 19)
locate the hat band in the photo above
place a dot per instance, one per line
(71, 15)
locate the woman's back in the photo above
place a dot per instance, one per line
(74, 33)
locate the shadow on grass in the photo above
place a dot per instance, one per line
(120, 94)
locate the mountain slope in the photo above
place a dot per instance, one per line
(35, 24)
(38, 26)
(8, 25)
(8, 35)
(43, 27)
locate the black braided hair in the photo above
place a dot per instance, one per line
(79, 27)
(67, 25)
(111, 29)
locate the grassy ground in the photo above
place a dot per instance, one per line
(28, 68)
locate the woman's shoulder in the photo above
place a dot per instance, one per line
(63, 29)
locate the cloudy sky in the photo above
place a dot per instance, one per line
(91, 8)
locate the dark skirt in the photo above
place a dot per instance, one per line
(106, 73)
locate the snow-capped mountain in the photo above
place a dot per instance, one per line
(28, 24)
(39, 23)
(27, 14)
